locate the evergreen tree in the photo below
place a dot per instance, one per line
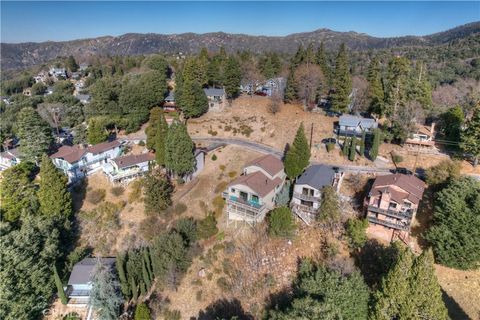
(158, 191)
(290, 89)
(397, 84)
(321, 60)
(298, 156)
(105, 296)
(375, 88)
(232, 78)
(59, 284)
(346, 144)
(179, 147)
(353, 149)
(142, 312)
(329, 210)
(342, 81)
(148, 263)
(120, 264)
(470, 137)
(452, 122)
(96, 132)
(53, 195)
(134, 287)
(34, 133)
(281, 223)
(298, 58)
(191, 99)
(157, 62)
(71, 64)
(375, 145)
(362, 144)
(145, 275)
(157, 134)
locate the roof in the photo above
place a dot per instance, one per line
(104, 146)
(170, 97)
(269, 163)
(354, 121)
(317, 176)
(83, 96)
(11, 154)
(214, 92)
(258, 182)
(133, 159)
(423, 130)
(412, 186)
(82, 271)
(71, 154)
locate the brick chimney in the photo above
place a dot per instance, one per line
(432, 128)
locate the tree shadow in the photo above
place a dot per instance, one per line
(424, 217)
(279, 300)
(455, 312)
(285, 151)
(224, 309)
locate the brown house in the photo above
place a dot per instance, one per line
(391, 205)
(422, 136)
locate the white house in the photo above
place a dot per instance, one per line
(254, 193)
(84, 98)
(272, 86)
(79, 161)
(307, 192)
(58, 72)
(216, 98)
(355, 125)
(422, 136)
(124, 169)
(9, 158)
(80, 281)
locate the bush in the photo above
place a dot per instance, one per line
(218, 204)
(172, 314)
(356, 232)
(207, 227)
(330, 146)
(198, 295)
(223, 284)
(443, 172)
(214, 157)
(180, 181)
(396, 158)
(96, 196)
(187, 228)
(117, 191)
(142, 312)
(281, 223)
(141, 143)
(180, 208)
(232, 174)
(136, 188)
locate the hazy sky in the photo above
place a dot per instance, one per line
(42, 21)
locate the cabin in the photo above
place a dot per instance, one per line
(422, 136)
(57, 73)
(307, 192)
(80, 284)
(350, 125)
(126, 168)
(254, 193)
(79, 161)
(273, 86)
(391, 205)
(216, 98)
(10, 158)
(169, 104)
(84, 98)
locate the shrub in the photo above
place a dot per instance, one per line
(117, 191)
(180, 180)
(223, 284)
(214, 157)
(356, 232)
(96, 196)
(172, 314)
(207, 227)
(281, 223)
(232, 174)
(218, 204)
(142, 312)
(187, 228)
(397, 158)
(180, 208)
(136, 188)
(72, 316)
(330, 146)
(141, 143)
(443, 172)
(222, 167)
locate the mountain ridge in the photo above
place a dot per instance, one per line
(23, 55)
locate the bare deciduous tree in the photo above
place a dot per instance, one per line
(308, 78)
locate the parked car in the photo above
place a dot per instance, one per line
(260, 93)
(402, 171)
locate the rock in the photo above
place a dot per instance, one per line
(202, 273)
(289, 242)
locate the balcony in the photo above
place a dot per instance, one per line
(305, 197)
(398, 226)
(405, 214)
(247, 209)
(306, 213)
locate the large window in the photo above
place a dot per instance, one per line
(254, 198)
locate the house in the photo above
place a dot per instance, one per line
(10, 158)
(84, 98)
(254, 193)
(79, 161)
(216, 98)
(57, 73)
(124, 169)
(169, 102)
(83, 66)
(422, 136)
(307, 192)
(27, 92)
(355, 125)
(272, 86)
(391, 205)
(80, 283)
(41, 77)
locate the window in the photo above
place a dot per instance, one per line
(307, 191)
(244, 195)
(254, 198)
(392, 205)
(233, 190)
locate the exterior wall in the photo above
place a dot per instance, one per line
(200, 160)
(216, 103)
(251, 169)
(298, 189)
(6, 163)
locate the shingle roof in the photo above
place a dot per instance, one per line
(104, 146)
(317, 176)
(269, 163)
(133, 159)
(214, 92)
(353, 121)
(71, 154)
(82, 272)
(258, 182)
(413, 186)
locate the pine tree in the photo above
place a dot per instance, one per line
(375, 88)
(232, 78)
(34, 133)
(148, 263)
(157, 193)
(179, 148)
(353, 149)
(298, 156)
(145, 275)
(329, 210)
(120, 264)
(321, 60)
(362, 144)
(71, 64)
(142, 312)
(342, 82)
(96, 133)
(134, 288)
(375, 145)
(105, 296)
(157, 134)
(53, 195)
(470, 137)
(290, 89)
(397, 84)
(191, 99)
(346, 144)
(298, 58)
(58, 283)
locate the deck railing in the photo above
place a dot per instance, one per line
(392, 213)
(397, 226)
(305, 197)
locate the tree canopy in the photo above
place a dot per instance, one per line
(298, 155)
(179, 147)
(34, 133)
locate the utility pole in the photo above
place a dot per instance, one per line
(311, 136)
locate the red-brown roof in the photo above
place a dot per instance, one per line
(412, 186)
(133, 159)
(103, 146)
(258, 182)
(71, 154)
(269, 163)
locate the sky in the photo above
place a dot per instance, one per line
(58, 21)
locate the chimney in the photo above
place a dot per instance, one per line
(432, 128)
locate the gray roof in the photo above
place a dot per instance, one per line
(317, 176)
(353, 121)
(83, 271)
(214, 92)
(85, 97)
(170, 97)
